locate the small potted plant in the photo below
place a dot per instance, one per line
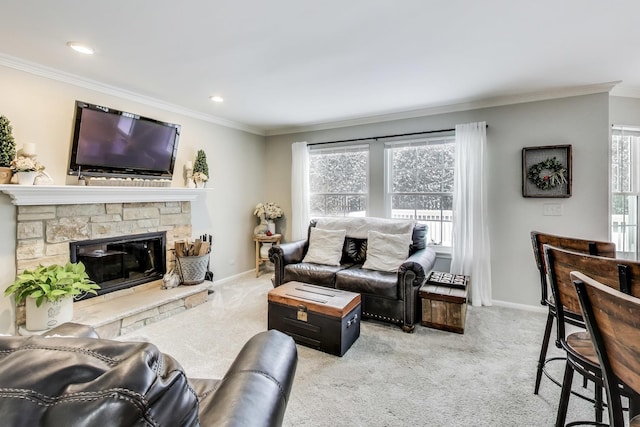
(7, 150)
(48, 293)
(200, 169)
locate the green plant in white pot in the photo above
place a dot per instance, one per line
(48, 293)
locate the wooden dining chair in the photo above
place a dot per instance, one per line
(581, 355)
(538, 240)
(613, 320)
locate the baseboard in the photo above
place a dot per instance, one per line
(242, 275)
(525, 307)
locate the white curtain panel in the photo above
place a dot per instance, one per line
(299, 190)
(471, 247)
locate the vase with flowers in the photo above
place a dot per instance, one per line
(267, 213)
(200, 178)
(27, 168)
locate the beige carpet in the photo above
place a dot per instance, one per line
(388, 378)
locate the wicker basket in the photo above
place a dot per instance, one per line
(192, 268)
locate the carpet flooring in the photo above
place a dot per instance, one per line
(388, 378)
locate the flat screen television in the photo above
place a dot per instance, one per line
(113, 143)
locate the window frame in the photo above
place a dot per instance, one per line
(631, 193)
(388, 185)
(337, 149)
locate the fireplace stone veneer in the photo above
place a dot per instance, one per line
(44, 231)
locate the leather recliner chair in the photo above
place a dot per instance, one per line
(71, 377)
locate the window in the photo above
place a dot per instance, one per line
(419, 186)
(339, 181)
(625, 188)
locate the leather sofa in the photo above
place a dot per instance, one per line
(386, 296)
(71, 377)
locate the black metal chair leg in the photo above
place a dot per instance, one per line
(564, 396)
(543, 350)
(598, 402)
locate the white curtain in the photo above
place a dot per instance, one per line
(471, 247)
(299, 191)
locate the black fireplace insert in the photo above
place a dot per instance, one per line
(122, 262)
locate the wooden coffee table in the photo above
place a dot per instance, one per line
(322, 318)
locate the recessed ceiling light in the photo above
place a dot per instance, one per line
(216, 98)
(79, 47)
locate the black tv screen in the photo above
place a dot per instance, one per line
(108, 142)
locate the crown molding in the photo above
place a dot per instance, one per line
(64, 77)
(499, 101)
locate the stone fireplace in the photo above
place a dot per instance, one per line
(51, 220)
(44, 232)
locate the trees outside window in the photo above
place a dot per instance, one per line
(420, 184)
(339, 181)
(418, 176)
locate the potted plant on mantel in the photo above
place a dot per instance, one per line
(48, 293)
(200, 169)
(7, 150)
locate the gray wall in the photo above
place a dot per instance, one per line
(41, 110)
(582, 121)
(624, 111)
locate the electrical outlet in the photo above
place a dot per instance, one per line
(552, 209)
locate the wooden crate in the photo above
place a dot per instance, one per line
(444, 307)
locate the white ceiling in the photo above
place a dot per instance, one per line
(284, 64)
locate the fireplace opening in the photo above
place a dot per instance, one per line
(122, 262)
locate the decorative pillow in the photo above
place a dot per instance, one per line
(355, 250)
(386, 252)
(325, 246)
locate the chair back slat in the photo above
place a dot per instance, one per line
(613, 319)
(592, 247)
(616, 273)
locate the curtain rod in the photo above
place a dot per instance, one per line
(384, 136)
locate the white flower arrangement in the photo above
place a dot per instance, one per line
(200, 177)
(26, 164)
(268, 210)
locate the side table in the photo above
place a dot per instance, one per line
(260, 239)
(444, 301)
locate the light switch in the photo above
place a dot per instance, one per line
(552, 209)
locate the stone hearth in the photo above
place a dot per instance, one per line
(126, 310)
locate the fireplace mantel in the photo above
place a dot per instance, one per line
(24, 195)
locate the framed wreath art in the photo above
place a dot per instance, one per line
(546, 171)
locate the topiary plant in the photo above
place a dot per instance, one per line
(7, 143)
(200, 165)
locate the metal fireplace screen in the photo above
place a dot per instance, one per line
(122, 262)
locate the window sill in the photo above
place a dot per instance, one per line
(442, 251)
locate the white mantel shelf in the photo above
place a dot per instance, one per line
(25, 195)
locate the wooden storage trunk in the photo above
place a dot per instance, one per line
(322, 318)
(444, 307)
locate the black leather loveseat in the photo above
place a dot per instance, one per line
(70, 377)
(387, 296)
